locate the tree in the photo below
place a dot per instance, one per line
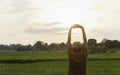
(25, 48)
(45, 46)
(92, 42)
(92, 45)
(39, 45)
(53, 46)
(108, 44)
(62, 46)
(116, 44)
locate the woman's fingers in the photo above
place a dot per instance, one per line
(76, 26)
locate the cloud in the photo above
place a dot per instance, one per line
(45, 28)
(55, 23)
(16, 6)
(106, 32)
(63, 32)
(49, 24)
(23, 5)
(36, 30)
(45, 25)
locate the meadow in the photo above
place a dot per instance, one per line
(55, 63)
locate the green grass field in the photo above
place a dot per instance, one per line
(55, 63)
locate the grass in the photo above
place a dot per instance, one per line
(41, 68)
(103, 68)
(32, 55)
(57, 67)
(51, 55)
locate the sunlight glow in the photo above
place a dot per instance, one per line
(76, 31)
(77, 35)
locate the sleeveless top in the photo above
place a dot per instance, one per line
(77, 62)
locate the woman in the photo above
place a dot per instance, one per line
(77, 54)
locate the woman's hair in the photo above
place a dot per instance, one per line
(77, 46)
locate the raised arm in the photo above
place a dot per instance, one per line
(69, 37)
(83, 32)
(84, 37)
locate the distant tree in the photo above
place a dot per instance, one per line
(101, 49)
(62, 46)
(26, 48)
(18, 45)
(45, 46)
(92, 49)
(109, 44)
(40, 45)
(92, 45)
(92, 42)
(13, 46)
(116, 44)
(4, 47)
(53, 46)
(104, 40)
(95, 47)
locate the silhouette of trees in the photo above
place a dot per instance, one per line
(62, 46)
(26, 48)
(4, 47)
(111, 43)
(92, 45)
(40, 45)
(53, 46)
(92, 42)
(116, 44)
(104, 46)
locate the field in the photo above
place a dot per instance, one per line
(55, 63)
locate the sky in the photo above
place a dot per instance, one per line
(27, 21)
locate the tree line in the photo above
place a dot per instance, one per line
(105, 45)
(37, 46)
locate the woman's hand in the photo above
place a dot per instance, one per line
(76, 26)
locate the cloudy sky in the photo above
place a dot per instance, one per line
(26, 21)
